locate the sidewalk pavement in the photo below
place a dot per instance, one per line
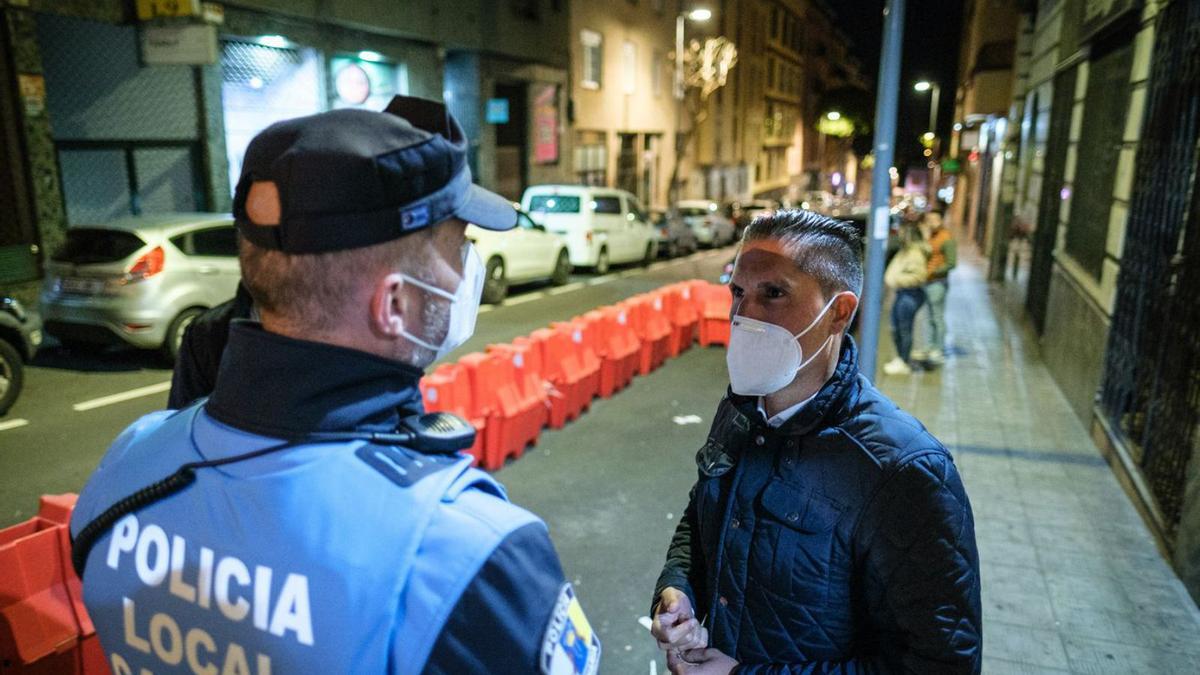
(1072, 579)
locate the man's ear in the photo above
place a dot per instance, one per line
(843, 310)
(387, 306)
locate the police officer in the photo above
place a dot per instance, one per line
(297, 539)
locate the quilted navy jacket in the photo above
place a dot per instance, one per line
(842, 542)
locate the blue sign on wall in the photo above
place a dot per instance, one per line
(497, 111)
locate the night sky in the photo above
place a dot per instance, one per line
(932, 36)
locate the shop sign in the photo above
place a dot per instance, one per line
(179, 44)
(545, 125)
(497, 111)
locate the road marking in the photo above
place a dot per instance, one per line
(486, 308)
(13, 424)
(596, 281)
(123, 396)
(567, 289)
(522, 299)
(646, 622)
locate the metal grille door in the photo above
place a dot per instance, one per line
(1151, 389)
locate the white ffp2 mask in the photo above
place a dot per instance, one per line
(464, 304)
(763, 358)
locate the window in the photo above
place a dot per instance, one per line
(593, 57)
(607, 205)
(88, 246)
(215, 241)
(553, 204)
(656, 70)
(629, 61)
(591, 158)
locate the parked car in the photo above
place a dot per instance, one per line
(711, 227)
(526, 253)
(140, 280)
(20, 336)
(744, 212)
(674, 236)
(602, 226)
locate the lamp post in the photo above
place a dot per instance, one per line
(924, 86)
(698, 15)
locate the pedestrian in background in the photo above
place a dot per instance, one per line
(828, 530)
(943, 256)
(906, 274)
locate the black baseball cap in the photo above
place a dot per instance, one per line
(351, 178)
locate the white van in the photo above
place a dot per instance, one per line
(602, 226)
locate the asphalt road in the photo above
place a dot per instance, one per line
(610, 485)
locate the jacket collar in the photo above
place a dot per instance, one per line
(278, 386)
(833, 398)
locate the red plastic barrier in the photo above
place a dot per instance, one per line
(684, 317)
(514, 409)
(44, 627)
(448, 389)
(573, 351)
(715, 303)
(568, 390)
(649, 320)
(618, 347)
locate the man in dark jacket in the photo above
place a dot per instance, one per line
(828, 531)
(201, 349)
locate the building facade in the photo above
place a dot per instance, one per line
(108, 114)
(1100, 167)
(624, 113)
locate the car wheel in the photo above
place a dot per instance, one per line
(176, 331)
(649, 257)
(495, 283)
(673, 249)
(602, 261)
(562, 269)
(12, 375)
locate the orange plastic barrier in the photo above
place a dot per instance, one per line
(44, 627)
(684, 317)
(448, 389)
(649, 320)
(569, 387)
(618, 347)
(514, 408)
(715, 303)
(574, 352)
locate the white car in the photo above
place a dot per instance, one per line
(602, 226)
(710, 226)
(523, 254)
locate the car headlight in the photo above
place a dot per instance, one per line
(14, 307)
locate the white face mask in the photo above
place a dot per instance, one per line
(763, 358)
(464, 304)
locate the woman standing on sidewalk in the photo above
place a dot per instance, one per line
(906, 274)
(942, 258)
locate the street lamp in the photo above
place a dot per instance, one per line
(699, 15)
(924, 86)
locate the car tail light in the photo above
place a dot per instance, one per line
(664, 231)
(147, 265)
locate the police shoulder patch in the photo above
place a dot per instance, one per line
(569, 646)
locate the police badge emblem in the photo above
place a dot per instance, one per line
(569, 646)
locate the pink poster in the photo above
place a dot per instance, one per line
(545, 126)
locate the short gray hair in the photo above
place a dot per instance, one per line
(827, 249)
